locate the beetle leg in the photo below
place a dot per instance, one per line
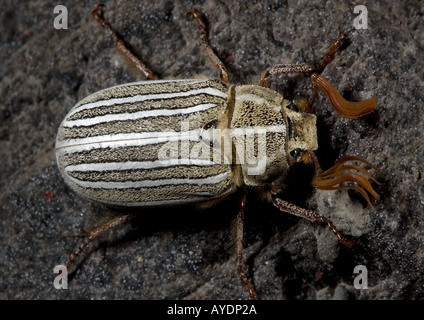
(345, 108)
(98, 15)
(284, 69)
(94, 234)
(311, 216)
(329, 56)
(303, 67)
(204, 36)
(239, 249)
(308, 107)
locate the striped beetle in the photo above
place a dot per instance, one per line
(175, 142)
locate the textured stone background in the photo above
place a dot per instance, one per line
(187, 254)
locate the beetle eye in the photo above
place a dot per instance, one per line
(292, 106)
(296, 153)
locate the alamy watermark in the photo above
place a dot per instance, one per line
(61, 20)
(361, 280)
(61, 281)
(361, 21)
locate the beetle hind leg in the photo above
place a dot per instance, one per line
(94, 234)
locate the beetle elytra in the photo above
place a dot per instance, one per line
(176, 142)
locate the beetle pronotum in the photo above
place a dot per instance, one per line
(121, 146)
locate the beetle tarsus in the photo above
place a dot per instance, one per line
(329, 56)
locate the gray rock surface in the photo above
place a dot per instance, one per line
(186, 254)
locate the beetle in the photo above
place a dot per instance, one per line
(197, 141)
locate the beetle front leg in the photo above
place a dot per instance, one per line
(284, 69)
(303, 67)
(329, 56)
(98, 15)
(330, 180)
(311, 216)
(239, 249)
(345, 108)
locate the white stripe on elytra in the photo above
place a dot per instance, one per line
(158, 202)
(133, 165)
(149, 183)
(126, 139)
(136, 115)
(144, 97)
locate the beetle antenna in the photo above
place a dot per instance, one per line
(345, 108)
(333, 177)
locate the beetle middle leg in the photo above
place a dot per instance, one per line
(239, 249)
(98, 15)
(204, 35)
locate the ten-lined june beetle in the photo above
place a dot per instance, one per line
(174, 142)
